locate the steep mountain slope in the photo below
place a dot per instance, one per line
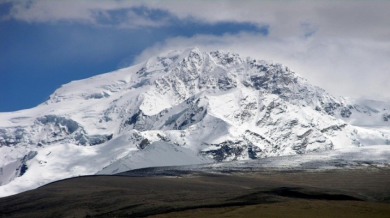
(182, 107)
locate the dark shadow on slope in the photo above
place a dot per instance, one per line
(293, 192)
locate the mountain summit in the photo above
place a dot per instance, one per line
(180, 108)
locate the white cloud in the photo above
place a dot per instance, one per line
(352, 68)
(333, 18)
(84, 11)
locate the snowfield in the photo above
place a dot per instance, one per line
(185, 108)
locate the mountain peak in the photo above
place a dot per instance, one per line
(180, 107)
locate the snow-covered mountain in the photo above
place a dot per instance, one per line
(180, 108)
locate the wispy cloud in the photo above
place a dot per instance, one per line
(349, 19)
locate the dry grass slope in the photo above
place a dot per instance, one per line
(335, 193)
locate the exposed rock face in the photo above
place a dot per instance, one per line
(183, 107)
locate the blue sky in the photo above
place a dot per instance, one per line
(45, 44)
